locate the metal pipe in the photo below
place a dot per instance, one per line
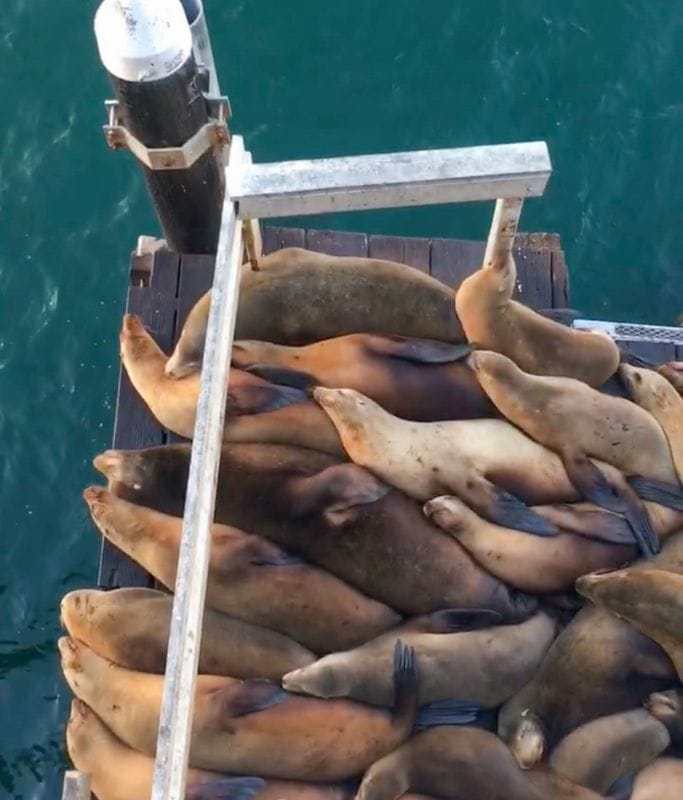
(503, 230)
(201, 42)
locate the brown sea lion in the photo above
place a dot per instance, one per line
(598, 665)
(131, 627)
(602, 751)
(249, 577)
(336, 515)
(492, 320)
(462, 763)
(485, 667)
(117, 772)
(667, 707)
(651, 599)
(299, 296)
(488, 463)
(655, 394)
(673, 372)
(251, 727)
(411, 378)
(661, 780)
(530, 563)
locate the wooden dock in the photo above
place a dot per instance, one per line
(164, 286)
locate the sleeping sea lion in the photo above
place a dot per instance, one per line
(251, 727)
(336, 515)
(673, 372)
(298, 296)
(651, 599)
(484, 667)
(667, 707)
(655, 394)
(131, 627)
(530, 563)
(661, 780)
(488, 463)
(492, 320)
(249, 577)
(598, 665)
(460, 762)
(411, 378)
(600, 752)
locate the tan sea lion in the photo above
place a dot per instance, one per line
(249, 577)
(461, 763)
(651, 599)
(662, 780)
(411, 378)
(530, 563)
(484, 667)
(299, 296)
(492, 320)
(336, 515)
(598, 665)
(673, 372)
(602, 751)
(131, 627)
(667, 707)
(655, 394)
(117, 772)
(251, 727)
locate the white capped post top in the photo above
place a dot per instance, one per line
(142, 40)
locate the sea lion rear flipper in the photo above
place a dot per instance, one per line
(284, 376)
(666, 494)
(405, 684)
(227, 789)
(446, 712)
(258, 399)
(252, 696)
(420, 351)
(451, 620)
(503, 508)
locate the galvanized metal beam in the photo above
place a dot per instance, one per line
(421, 177)
(630, 332)
(76, 786)
(503, 230)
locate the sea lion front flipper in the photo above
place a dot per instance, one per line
(446, 712)
(452, 620)
(666, 494)
(259, 399)
(284, 376)
(603, 526)
(252, 696)
(420, 351)
(227, 789)
(406, 683)
(496, 505)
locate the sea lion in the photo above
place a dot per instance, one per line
(651, 599)
(667, 707)
(336, 515)
(600, 752)
(655, 394)
(530, 563)
(249, 577)
(411, 378)
(117, 772)
(459, 762)
(661, 780)
(492, 320)
(299, 296)
(131, 627)
(251, 727)
(673, 372)
(598, 665)
(488, 463)
(484, 667)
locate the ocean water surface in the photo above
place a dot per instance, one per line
(600, 82)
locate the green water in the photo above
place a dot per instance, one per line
(600, 81)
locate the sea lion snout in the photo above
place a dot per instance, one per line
(445, 511)
(176, 368)
(528, 742)
(586, 584)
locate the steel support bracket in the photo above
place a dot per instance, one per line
(214, 133)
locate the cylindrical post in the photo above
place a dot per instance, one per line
(146, 47)
(503, 231)
(201, 42)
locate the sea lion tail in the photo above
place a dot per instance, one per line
(227, 789)
(405, 685)
(666, 494)
(447, 712)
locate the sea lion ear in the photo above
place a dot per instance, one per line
(284, 376)
(419, 351)
(227, 789)
(259, 399)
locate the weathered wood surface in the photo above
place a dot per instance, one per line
(165, 286)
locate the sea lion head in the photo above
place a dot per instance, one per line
(136, 343)
(489, 363)
(121, 466)
(665, 706)
(673, 372)
(79, 726)
(609, 585)
(76, 611)
(351, 412)
(528, 740)
(646, 387)
(320, 679)
(189, 351)
(449, 513)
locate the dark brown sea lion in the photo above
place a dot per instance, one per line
(117, 772)
(651, 599)
(662, 780)
(485, 667)
(251, 727)
(461, 763)
(411, 378)
(600, 752)
(249, 577)
(298, 296)
(667, 707)
(131, 626)
(598, 665)
(531, 563)
(494, 321)
(336, 515)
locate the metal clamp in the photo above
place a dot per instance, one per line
(214, 133)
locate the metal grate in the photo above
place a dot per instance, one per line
(628, 332)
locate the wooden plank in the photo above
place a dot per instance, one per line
(559, 279)
(452, 260)
(413, 251)
(534, 286)
(134, 426)
(196, 277)
(337, 243)
(276, 238)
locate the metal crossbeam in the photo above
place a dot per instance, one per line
(390, 180)
(630, 332)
